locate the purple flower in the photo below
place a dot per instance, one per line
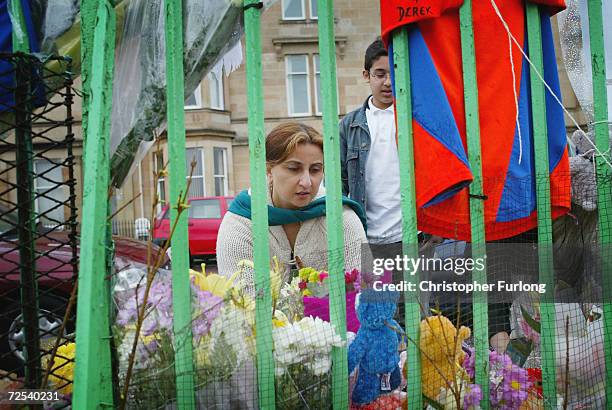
(159, 314)
(509, 383)
(207, 309)
(144, 351)
(514, 387)
(472, 397)
(469, 363)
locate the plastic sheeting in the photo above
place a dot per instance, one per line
(212, 28)
(575, 47)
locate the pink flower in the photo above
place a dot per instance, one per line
(351, 277)
(323, 275)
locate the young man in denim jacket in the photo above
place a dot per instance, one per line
(368, 152)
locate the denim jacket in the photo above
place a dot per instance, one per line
(354, 150)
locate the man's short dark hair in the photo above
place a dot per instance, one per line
(373, 52)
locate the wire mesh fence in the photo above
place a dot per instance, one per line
(38, 222)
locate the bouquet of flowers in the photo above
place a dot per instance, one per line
(302, 353)
(221, 330)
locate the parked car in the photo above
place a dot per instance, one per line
(55, 278)
(204, 219)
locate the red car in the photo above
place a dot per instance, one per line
(205, 215)
(55, 276)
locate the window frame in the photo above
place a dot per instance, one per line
(311, 14)
(48, 187)
(318, 104)
(317, 81)
(225, 171)
(216, 85)
(202, 177)
(161, 180)
(308, 86)
(303, 17)
(197, 93)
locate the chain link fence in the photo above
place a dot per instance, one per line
(38, 222)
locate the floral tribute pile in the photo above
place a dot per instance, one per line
(224, 349)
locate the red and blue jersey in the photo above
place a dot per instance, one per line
(438, 110)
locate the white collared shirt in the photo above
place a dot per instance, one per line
(382, 180)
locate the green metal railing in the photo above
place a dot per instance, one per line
(93, 374)
(477, 221)
(93, 379)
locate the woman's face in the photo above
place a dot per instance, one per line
(296, 180)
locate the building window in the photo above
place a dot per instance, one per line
(298, 89)
(216, 91)
(296, 9)
(300, 84)
(50, 192)
(194, 101)
(317, 83)
(220, 171)
(314, 10)
(317, 79)
(158, 165)
(197, 187)
(293, 10)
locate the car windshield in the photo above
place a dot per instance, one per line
(205, 209)
(8, 220)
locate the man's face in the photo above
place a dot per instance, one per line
(379, 79)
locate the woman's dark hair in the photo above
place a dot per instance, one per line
(373, 52)
(284, 139)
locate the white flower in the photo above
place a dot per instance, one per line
(320, 366)
(308, 341)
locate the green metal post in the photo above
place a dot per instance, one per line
(88, 22)
(257, 161)
(545, 262)
(333, 203)
(604, 176)
(477, 221)
(93, 375)
(403, 106)
(181, 290)
(25, 198)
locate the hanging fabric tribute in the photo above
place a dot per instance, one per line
(503, 74)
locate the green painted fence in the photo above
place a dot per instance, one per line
(93, 387)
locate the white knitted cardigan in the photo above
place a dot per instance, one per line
(235, 243)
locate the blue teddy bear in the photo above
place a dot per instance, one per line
(375, 348)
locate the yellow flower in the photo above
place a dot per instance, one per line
(279, 319)
(62, 370)
(304, 273)
(307, 292)
(214, 283)
(313, 277)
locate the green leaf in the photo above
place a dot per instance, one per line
(534, 324)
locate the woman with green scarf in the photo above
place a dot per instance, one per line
(296, 210)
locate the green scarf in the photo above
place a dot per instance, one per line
(241, 205)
